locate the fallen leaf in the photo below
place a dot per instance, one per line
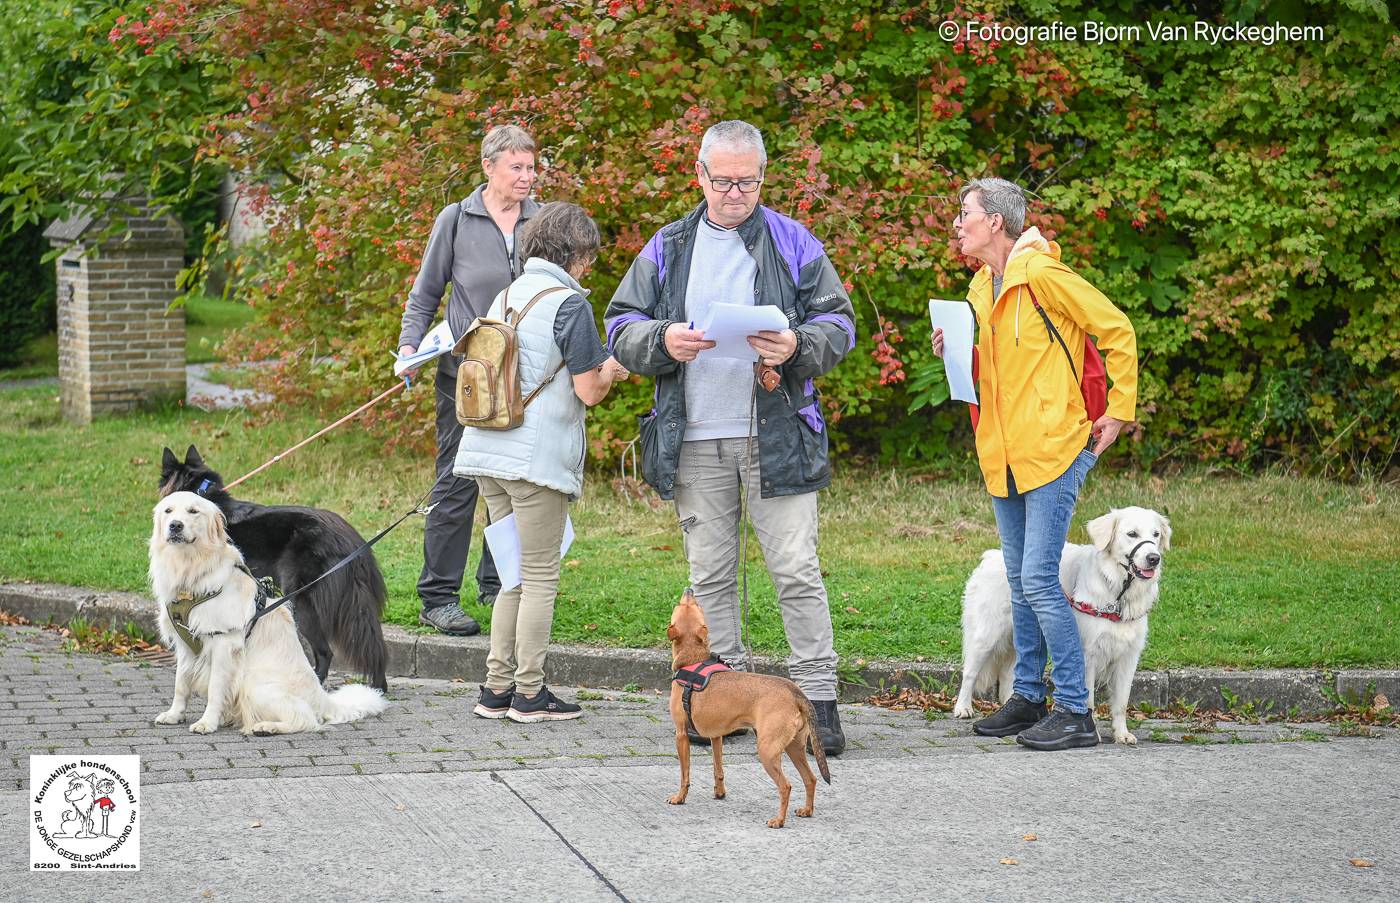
(590, 626)
(1009, 862)
(139, 462)
(400, 807)
(1029, 837)
(256, 824)
(661, 548)
(571, 563)
(459, 680)
(1381, 702)
(1362, 863)
(852, 610)
(207, 893)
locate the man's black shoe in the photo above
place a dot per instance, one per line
(487, 597)
(1014, 716)
(697, 740)
(449, 619)
(1061, 730)
(829, 732)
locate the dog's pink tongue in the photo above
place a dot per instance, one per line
(1148, 573)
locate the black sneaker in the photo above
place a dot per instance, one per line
(1014, 716)
(1061, 730)
(543, 706)
(449, 619)
(829, 731)
(492, 704)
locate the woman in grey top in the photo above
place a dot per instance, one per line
(472, 248)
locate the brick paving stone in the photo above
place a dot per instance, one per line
(430, 728)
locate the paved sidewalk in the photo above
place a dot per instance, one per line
(429, 800)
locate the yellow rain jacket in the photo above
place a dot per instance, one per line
(1032, 417)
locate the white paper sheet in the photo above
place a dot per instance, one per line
(435, 344)
(955, 319)
(730, 325)
(504, 540)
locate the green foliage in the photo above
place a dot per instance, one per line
(1238, 200)
(26, 291)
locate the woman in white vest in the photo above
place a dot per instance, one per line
(536, 469)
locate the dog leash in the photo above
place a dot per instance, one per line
(351, 416)
(416, 509)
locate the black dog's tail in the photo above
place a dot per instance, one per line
(354, 608)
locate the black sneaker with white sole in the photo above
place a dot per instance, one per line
(1014, 716)
(1061, 730)
(543, 706)
(492, 704)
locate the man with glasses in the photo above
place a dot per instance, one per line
(1035, 442)
(718, 434)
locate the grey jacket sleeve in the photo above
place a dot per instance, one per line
(828, 333)
(634, 337)
(433, 276)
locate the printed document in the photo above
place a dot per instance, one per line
(955, 319)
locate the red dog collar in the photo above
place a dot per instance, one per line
(1091, 610)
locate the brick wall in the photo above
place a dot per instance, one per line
(117, 346)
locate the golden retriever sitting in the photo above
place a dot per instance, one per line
(262, 684)
(774, 707)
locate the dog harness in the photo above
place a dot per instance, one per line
(1114, 614)
(694, 679)
(185, 602)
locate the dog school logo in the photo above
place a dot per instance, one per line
(84, 813)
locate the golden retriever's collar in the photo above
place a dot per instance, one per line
(1091, 610)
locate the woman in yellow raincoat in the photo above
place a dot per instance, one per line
(1035, 442)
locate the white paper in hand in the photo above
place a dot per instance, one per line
(435, 344)
(504, 540)
(955, 319)
(730, 325)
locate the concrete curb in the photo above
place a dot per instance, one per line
(1275, 691)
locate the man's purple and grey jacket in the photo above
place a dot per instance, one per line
(795, 275)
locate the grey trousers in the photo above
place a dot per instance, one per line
(447, 535)
(709, 481)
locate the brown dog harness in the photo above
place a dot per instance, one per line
(185, 602)
(694, 679)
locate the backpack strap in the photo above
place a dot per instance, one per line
(1050, 327)
(514, 319)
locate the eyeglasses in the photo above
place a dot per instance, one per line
(747, 186)
(963, 214)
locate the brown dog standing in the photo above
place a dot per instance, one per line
(774, 707)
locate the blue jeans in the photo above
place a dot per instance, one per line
(1033, 527)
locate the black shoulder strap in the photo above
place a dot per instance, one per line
(1050, 327)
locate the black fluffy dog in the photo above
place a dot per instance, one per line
(293, 546)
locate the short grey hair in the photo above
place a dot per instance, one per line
(1000, 196)
(505, 139)
(562, 233)
(736, 135)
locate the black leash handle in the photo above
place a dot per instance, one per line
(416, 509)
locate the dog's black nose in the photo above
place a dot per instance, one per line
(176, 526)
(1153, 559)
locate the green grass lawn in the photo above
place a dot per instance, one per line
(1266, 572)
(207, 320)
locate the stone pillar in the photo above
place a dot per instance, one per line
(118, 347)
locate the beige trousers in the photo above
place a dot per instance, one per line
(522, 617)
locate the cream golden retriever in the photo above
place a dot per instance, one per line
(1114, 582)
(261, 684)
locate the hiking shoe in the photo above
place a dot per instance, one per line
(697, 740)
(829, 732)
(1061, 730)
(492, 704)
(449, 619)
(487, 597)
(543, 706)
(1014, 716)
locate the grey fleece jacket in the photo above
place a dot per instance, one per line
(467, 250)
